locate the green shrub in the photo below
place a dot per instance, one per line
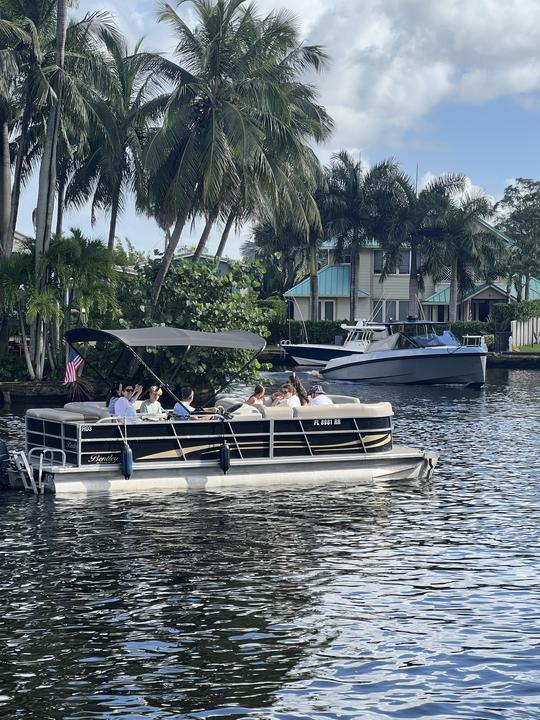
(503, 314)
(319, 331)
(12, 367)
(275, 308)
(468, 327)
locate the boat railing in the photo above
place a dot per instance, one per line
(473, 341)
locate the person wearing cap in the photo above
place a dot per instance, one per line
(317, 396)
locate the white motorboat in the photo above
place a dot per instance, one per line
(81, 448)
(359, 336)
(414, 353)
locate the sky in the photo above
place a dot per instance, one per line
(440, 85)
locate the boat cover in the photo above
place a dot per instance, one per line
(169, 337)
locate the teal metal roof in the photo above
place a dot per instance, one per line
(334, 281)
(535, 289)
(442, 297)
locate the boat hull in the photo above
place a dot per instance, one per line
(400, 463)
(315, 355)
(422, 366)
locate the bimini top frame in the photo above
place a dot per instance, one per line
(170, 337)
(162, 336)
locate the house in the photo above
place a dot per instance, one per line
(389, 299)
(223, 264)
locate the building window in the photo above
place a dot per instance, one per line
(403, 268)
(326, 310)
(390, 310)
(377, 262)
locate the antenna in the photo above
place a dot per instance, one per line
(416, 183)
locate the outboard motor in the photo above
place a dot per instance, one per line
(4, 464)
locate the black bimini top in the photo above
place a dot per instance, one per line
(169, 337)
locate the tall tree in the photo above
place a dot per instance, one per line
(464, 247)
(519, 218)
(411, 220)
(233, 110)
(358, 202)
(121, 116)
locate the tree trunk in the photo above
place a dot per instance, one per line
(27, 357)
(527, 286)
(114, 216)
(313, 282)
(47, 180)
(204, 237)
(47, 171)
(413, 284)
(225, 234)
(6, 239)
(452, 311)
(167, 259)
(354, 284)
(60, 208)
(19, 161)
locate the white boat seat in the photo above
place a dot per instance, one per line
(56, 414)
(89, 410)
(311, 412)
(244, 409)
(278, 412)
(343, 399)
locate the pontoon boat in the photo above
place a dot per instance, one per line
(80, 447)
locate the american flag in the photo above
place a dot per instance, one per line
(74, 362)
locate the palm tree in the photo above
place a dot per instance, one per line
(282, 252)
(463, 246)
(112, 164)
(27, 27)
(233, 114)
(411, 220)
(357, 203)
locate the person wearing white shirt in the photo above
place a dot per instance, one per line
(286, 397)
(317, 396)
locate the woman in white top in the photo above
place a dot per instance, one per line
(258, 396)
(286, 396)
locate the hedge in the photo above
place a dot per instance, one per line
(503, 314)
(318, 331)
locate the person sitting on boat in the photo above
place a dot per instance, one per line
(124, 406)
(286, 396)
(258, 396)
(184, 410)
(116, 393)
(317, 396)
(299, 389)
(152, 406)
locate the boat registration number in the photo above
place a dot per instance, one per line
(327, 421)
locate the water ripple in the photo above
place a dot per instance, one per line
(363, 601)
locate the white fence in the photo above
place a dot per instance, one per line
(525, 332)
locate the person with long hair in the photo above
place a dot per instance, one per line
(258, 396)
(299, 389)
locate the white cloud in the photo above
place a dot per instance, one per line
(393, 61)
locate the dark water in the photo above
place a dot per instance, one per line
(339, 601)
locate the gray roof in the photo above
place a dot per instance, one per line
(169, 337)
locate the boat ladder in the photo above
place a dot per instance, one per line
(23, 463)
